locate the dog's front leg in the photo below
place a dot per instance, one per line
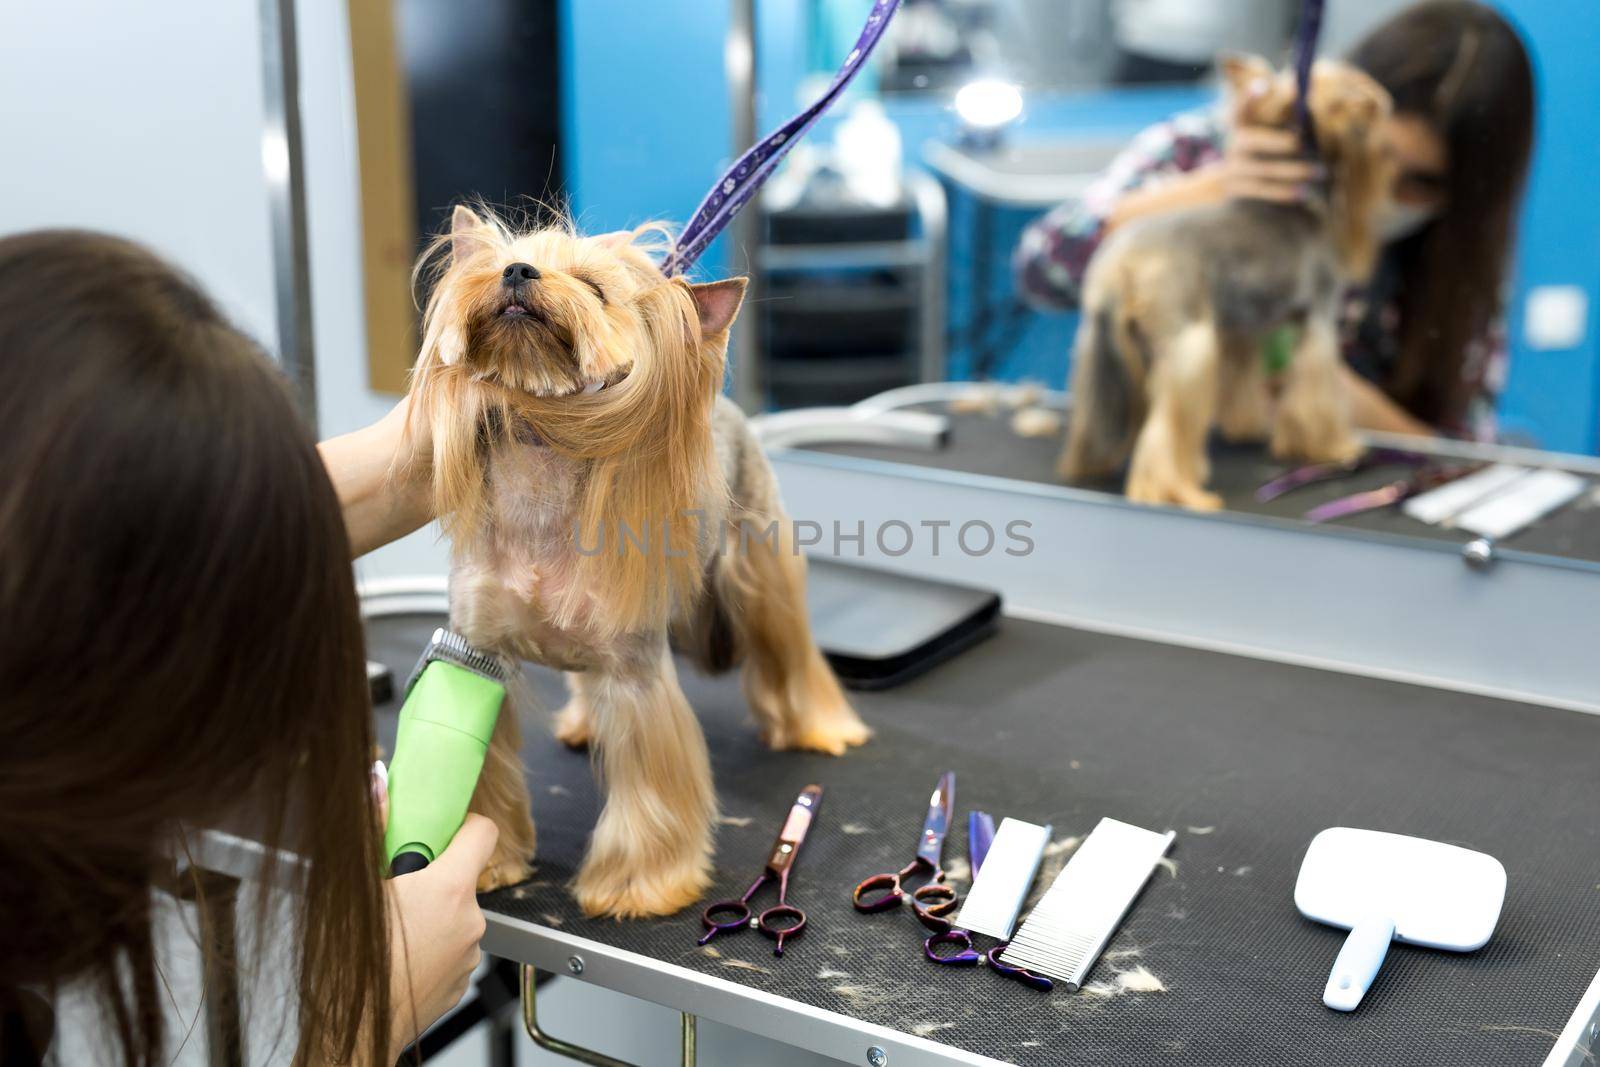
(650, 853)
(502, 795)
(1313, 421)
(1169, 464)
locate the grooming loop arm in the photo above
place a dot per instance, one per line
(530, 1022)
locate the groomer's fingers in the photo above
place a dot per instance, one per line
(1277, 192)
(468, 854)
(1266, 141)
(380, 792)
(1283, 171)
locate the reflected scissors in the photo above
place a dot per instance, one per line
(782, 920)
(933, 901)
(980, 835)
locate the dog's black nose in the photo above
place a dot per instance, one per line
(519, 274)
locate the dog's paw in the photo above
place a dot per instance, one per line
(1201, 500)
(503, 872)
(1337, 450)
(834, 737)
(1314, 442)
(572, 725)
(1182, 495)
(607, 890)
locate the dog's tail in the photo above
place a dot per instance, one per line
(1108, 371)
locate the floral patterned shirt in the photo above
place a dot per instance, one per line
(1054, 252)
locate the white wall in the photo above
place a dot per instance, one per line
(144, 120)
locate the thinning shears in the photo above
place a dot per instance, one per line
(980, 835)
(782, 920)
(932, 901)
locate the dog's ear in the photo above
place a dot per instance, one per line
(717, 303)
(1245, 75)
(467, 233)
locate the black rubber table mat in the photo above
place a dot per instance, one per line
(1064, 726)
(985, 444)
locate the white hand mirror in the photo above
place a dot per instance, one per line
(1384, 887)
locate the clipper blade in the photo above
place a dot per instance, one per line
(451, 647)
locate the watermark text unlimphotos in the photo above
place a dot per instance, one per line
(893, 537)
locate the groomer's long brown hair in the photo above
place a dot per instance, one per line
(1459, 65)
(181, 645)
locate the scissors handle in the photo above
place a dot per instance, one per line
(966, 957)
(770, 920)
(886, 884)
(738, 917)
(1021, 974)
(933, 905)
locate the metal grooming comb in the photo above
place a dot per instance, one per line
(1003, 879)
(1069, 928)
(453, 648)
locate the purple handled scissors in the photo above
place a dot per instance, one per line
(779, 862)
(980, 835)
(933, 900)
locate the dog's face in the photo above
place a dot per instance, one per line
(550, 313)
(1349, 111)
(1347, 106)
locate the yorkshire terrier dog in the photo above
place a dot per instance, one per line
(1178, 308)
(603, 498)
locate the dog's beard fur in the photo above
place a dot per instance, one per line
(599, 315)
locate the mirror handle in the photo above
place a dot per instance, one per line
(1358, 962)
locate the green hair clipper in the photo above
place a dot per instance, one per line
(452, 701)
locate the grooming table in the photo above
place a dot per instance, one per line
(1245, 759)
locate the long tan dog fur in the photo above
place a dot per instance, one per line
(1178, 306)
(601, 497)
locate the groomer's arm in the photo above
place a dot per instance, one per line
(382, 475)
(1373, 410)
(1260, 164)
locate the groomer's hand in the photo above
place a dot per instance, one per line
(435, 930)
(1264, 163)
(383, 475)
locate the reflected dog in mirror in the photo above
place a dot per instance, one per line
(601, 496)
(1183, 312)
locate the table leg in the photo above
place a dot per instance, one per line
(530, 1022)
(216, 897)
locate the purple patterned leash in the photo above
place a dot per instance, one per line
(1305, 53)
(740, 182)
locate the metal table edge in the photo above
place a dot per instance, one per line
(789, 1022)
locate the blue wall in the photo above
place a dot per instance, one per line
(1553, 397)
(646, 126)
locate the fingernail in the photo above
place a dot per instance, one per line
(380, 781)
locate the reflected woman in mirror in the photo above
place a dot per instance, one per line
(1424, 342)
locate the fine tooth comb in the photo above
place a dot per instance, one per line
(1066, 932)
